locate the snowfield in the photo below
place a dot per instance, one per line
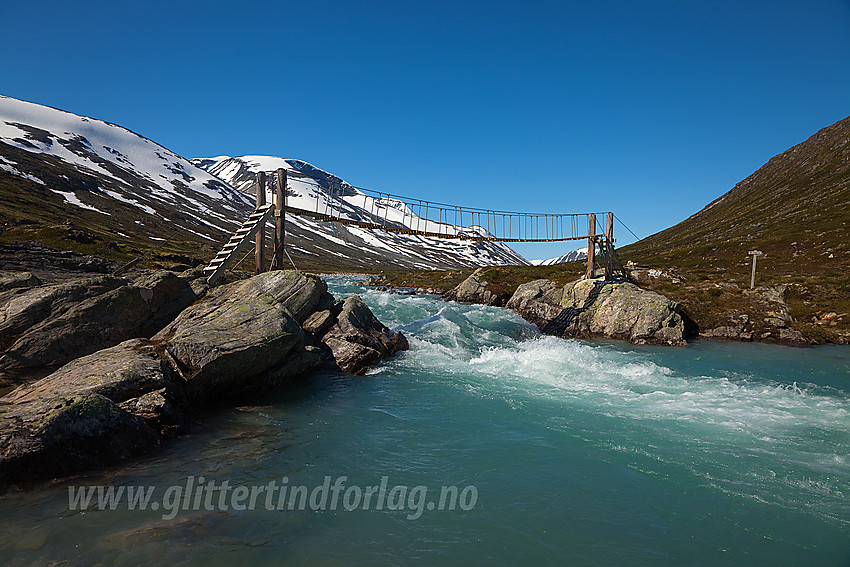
(129, 181)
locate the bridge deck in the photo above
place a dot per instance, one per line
(407, 230)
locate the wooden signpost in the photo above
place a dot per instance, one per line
(755, 254)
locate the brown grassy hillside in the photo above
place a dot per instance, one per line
(795, 209)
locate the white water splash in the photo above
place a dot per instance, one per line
(739, 432)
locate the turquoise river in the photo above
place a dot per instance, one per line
(484, 444)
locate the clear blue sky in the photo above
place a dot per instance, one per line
(649, 108)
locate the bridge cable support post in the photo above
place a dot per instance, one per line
(609, 246)
(280, 218)
(591, 245)
(259, 261)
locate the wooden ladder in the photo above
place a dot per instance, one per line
(240, 240)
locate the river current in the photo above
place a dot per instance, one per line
(485, 443)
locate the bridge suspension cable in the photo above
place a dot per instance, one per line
(378, 210)
(342, 203)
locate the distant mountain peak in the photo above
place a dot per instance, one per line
(573, 256)
(312, 188)
(93, 186)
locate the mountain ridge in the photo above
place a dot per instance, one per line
(90, 186)
(796, 207)
(311, 188)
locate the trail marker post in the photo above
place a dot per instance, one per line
(755, 254)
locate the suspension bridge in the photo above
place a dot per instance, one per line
(342, 203)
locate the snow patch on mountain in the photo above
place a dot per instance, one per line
(72, 199)
(138, 187)
(574, 256)
(9, 167)
(119, 165)
(313, 189)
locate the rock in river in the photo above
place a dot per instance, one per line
(612, 309)
(227, 342)
(474, 289)
(358, 340)
(77, 417)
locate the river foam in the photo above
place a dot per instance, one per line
(738, 431)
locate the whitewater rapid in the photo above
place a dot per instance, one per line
(580, 453)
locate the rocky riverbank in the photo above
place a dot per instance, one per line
(610, 309)
(586, 308)
(138, 357)
(652, 306)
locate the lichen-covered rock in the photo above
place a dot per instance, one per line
(227, 343)
(24, 308)
(792, 337)
(473, 289)
(62, 435)
(298, 362)
(123, 394)
(538, 301)
(358, 339)
(156, 408)
(612, 309)
(638, 315)
(735, 331)
(51, 325)
(128, 370)
(16, 280)
(166, 294)
(300, 294)
(319, 322)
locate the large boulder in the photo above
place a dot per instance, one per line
(228, 342)
(24, 307)
(63, 435)
(51, 325)
(358, 340)
(611, 309)
(474, 289)
(638, 315)
(538, 301)
(128, 370)
(94, 411)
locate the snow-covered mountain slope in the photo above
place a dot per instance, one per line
(574, 256)
(313, 189)
(84, 184)
(107, 180)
